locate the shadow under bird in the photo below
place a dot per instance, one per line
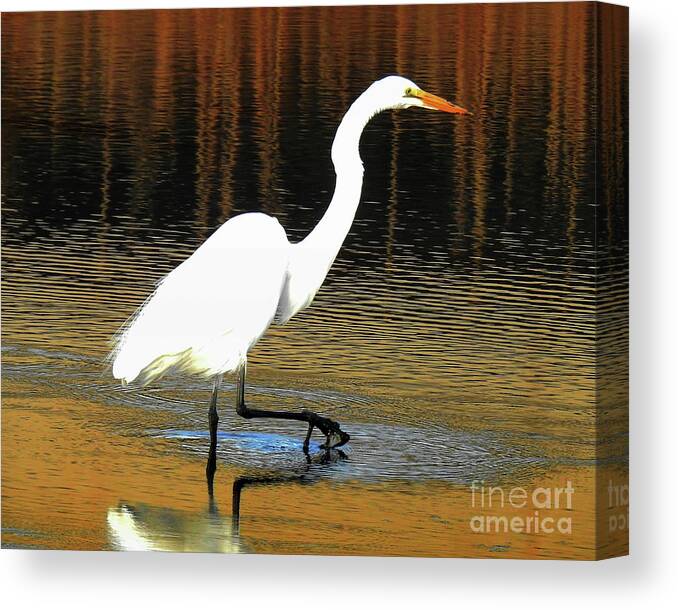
(143, 527)
(205, 315)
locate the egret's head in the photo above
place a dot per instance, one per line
(399, 92)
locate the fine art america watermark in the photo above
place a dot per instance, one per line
(617, 506)
(536, 509)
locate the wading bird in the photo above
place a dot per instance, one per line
(205, 316)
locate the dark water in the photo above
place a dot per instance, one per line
(455, 336)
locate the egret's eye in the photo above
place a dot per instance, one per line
(409, 91)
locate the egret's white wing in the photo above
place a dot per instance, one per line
(206, 314)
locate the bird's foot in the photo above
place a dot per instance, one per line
(334, 435)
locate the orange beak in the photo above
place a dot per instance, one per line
(438, 103)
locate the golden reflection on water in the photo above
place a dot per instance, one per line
(462, 309)
(135, 493)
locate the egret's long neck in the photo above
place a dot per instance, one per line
(329, 234)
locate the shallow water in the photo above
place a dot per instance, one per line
(453, 338)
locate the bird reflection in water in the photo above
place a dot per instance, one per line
(142, 527)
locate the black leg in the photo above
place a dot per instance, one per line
(308, 438)
(214, 421)
(334, 435)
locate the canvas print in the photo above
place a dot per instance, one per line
(342, 280)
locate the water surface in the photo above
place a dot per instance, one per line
(453, 338)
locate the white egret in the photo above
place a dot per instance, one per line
(205, 316)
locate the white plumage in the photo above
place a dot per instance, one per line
(207, 314)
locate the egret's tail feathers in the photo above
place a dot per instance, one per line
(143, 369)
(146, 373)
